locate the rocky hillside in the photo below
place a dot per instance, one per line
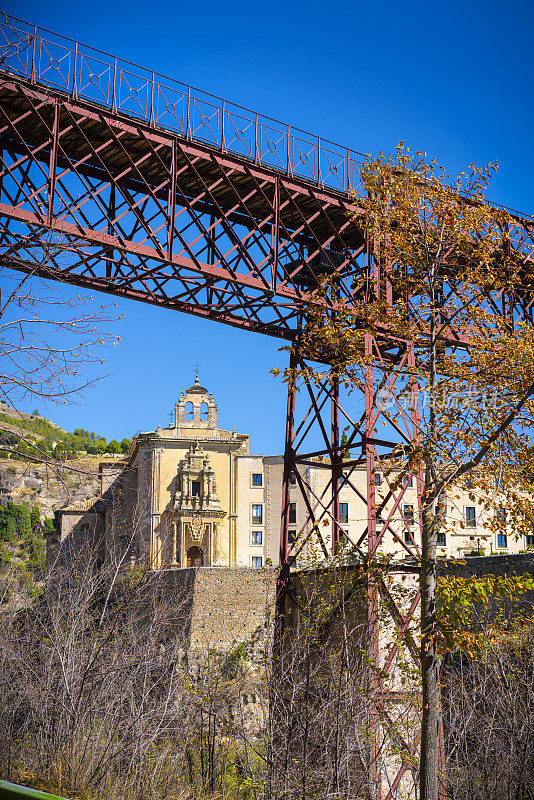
(69, 470)
(49, 487)
(29, 496)
(32, 490)
(18, 416)
(31, 434)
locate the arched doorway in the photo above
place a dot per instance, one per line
(195, 557)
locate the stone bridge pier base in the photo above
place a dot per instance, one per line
(356, 639)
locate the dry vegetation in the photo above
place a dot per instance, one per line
(101, 698)
(98, 698)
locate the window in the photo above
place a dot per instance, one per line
(343, 512)
(291, 537)
(292, 513)
(407, 514)
(501, 514)
(189, 410)
(257, 537)
(257, 514)
(529, 540)
(195, 488)
(408, 481)
(502, 540)
(292, 479)
(257, 479)
(257, 561)
(378, 478)
(341, 480)
(408, 536)
(343, 537)
(470, 517)
(442, 539)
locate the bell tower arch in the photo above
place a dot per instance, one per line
(196, 408)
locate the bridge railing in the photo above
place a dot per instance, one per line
(122, 87)
(84, 72)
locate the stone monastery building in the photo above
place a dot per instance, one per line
(192, 495)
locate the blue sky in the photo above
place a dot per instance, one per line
(454, 79)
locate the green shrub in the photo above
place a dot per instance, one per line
(49, 526)
(35, 519)
(37, 555)
(24, 525)
(8, 522)
(113, 447)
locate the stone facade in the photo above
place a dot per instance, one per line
(82, 532)
(193, 495)
(468, 524)
(174, 503)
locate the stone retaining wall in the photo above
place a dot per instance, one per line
(226, 605)
(518, 564)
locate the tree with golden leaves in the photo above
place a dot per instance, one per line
(453, 281)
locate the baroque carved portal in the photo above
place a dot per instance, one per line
(197, 510)
(196, 527)
(216, 545)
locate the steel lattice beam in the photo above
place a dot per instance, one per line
(191, 229)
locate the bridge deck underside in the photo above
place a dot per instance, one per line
(141, 212)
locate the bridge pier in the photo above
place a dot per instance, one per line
(329, 640)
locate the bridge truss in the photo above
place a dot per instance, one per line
(143, 188)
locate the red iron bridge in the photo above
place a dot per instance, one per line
(117, 179)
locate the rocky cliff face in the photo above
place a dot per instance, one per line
(49, 487)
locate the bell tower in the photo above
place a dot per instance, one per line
(196, 408)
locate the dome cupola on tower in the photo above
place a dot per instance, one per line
(196, 388)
